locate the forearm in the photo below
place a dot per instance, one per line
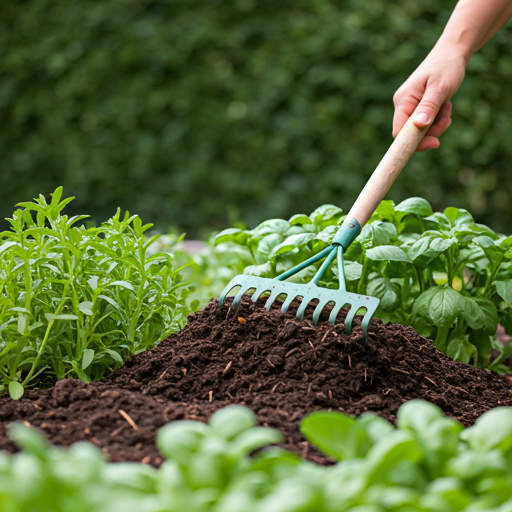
(473, 23)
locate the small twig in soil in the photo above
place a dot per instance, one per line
(184, 370)
(311, 344)
(430, 380)
(349, 361)
(146, 459)
(460, 389)
(270, 362)
(401, 371)
(275, 387)
(228, 366)
(116, 431)
(330, 394)
(230, 395)
(365, 375)
(128, 419)
(290, 352)
(210, 396)
(162, 375)
(325, 335)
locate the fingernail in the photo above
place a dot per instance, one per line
(422, 117)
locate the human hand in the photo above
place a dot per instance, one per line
(428, 91)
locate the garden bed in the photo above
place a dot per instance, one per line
(280, 368)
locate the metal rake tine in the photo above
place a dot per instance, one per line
(257, 292)
(349, 318)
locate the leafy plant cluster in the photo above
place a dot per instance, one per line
(240, 105)
(428, 464)
(447, 276)
(78, 301)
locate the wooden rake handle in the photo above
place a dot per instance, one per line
(399, 153)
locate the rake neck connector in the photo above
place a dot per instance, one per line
(347, 233)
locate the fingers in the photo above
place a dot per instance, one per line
(429, 106)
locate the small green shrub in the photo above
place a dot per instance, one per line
(77, 301)
(442, 273)
(428, 464)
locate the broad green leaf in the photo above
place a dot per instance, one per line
(325, 212)
(291, 243)
(416, 205)
(504, 289)
(301, 219)
(336, 434)
(232, 421)
(270, 227)
(353, 270)
(473, 314)
(385, 290)
(445, 304)
(493, 430)
(387, 253)
(254, 439)
(460, 349)
(232, 235)
(87, 358)
(264, 270)
(115, 355)
(490, 314)
(377, 233)
(16, 390)
(268, 243)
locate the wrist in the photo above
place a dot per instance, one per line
(454, 46)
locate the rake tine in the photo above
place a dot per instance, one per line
(302, 308)
(223, 295)
(364, 325)
(256, 294)
(334, 312)
(238, 297)
(287, 302)
(318, 311)
(271, 299)
(349, 318)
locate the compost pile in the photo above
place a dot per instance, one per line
(281, 368)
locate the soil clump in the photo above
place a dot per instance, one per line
(281, 368)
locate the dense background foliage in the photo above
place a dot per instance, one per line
(198, 114)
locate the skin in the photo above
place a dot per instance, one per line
(430, 88)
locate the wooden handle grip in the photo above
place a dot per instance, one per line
(387, 171)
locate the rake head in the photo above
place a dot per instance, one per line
(309, 291)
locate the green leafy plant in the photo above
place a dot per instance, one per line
(447, 276)
(428, 464)
(77, 301)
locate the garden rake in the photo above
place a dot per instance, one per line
(399, 153)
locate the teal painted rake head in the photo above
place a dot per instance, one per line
(337, 298)
(377, 187)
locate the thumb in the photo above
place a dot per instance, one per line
(428, 108)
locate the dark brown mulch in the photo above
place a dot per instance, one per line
(280, 368)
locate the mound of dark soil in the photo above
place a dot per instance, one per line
(281, 368)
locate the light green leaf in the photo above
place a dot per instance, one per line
(387, 253)
(301, 219)
(493, 430)
(51, 316)
(416, 205)
(353, 270)
(337, 435)
(6, 246)
(16, 390)
(291, 243)
(325, 212)
(504, 289)
(460, 349)
(115, 355)
(232, 235)
(270, 227)
(446, 303)
(259, 270)
(472, 313)
(385, 290)
(87, 358)
(123, 284)
(232, 421)
(86, 307)
(268, 243)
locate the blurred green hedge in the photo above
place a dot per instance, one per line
(196, 114)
